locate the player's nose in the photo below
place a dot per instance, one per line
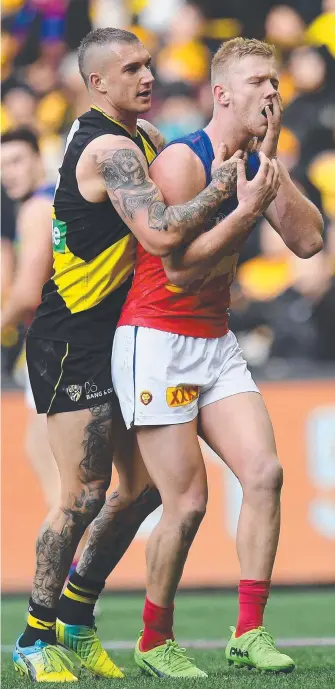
(270, 91)
(148, 77)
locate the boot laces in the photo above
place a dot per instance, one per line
(175, 656)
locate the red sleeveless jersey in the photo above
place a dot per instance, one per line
(201, 310)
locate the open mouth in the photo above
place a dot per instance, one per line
(145, 94)
(271, 108)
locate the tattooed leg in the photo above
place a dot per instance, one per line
(124, 511)
(113, 531)
(82, 446)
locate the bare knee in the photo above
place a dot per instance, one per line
(189, 509)
(265, 475)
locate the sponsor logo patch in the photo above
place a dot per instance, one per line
(146, 397)
(181, 395)
(74, 392)
(92, 392)
(238, 653)
(59, 236)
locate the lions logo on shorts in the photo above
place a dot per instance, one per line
(74, 392)
(146, 397)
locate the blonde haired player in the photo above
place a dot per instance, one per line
(177, 367)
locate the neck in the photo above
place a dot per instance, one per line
(126, 119)
(222, 130)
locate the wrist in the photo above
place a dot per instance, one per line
(225, 179)
(246, 212)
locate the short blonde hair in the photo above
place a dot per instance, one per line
(235, 50)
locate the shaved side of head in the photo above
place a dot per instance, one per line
(93, 49)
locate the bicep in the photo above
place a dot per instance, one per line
(135, 197)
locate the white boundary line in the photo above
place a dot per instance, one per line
(212, 644)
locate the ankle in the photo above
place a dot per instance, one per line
(253, 596)
(41, 625)
(158, 625)
(76, 605)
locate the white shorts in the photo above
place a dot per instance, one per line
(162, 378)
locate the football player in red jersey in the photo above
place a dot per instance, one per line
(182, 366)
(176, 364)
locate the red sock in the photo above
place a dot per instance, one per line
(253, 596)
(158, 624)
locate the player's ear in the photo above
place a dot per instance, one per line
(221, 95)
(97, 81)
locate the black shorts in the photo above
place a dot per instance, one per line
(68, 377)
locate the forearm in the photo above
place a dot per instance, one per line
(185, 221)
(192, 263)
(18, 307)
(296, 219)
(160, 228)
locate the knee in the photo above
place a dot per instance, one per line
(142, 502)
(84, 503)
(265, 475)
(190, 509)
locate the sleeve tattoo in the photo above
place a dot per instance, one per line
(131, 190)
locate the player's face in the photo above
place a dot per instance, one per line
(129, 79)
(253, 83)
(20, 166)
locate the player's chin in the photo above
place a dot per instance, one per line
(143, 104)
(259, 130)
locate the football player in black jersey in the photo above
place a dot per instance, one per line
(104, 201)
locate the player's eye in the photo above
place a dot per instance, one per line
(275, 84)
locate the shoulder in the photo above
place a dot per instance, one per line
(34, 205)
(35, 213)
(177, 158)
(116, 150)
(179, 173)
(112, 142)
(154, 134)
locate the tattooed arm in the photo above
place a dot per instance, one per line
(158, 227)
(193, 262)
(154, 134)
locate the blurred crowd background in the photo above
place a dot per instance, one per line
(283, 308)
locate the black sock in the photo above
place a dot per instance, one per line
(41, 625)
(76, 605)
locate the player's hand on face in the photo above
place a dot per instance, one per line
(257, 194)
(270, 141)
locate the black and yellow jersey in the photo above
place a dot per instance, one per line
(93, 249)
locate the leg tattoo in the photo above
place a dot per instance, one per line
(60, 535)
(112, 532)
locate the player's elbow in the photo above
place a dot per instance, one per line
(164, 244)
(308, 249)
(178, 278)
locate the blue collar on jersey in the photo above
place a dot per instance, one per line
(201, 145)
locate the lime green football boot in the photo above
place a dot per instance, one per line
(85, 644)
(168, 660)
(44, 662)
(256, 649)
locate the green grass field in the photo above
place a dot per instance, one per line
(295, 616)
